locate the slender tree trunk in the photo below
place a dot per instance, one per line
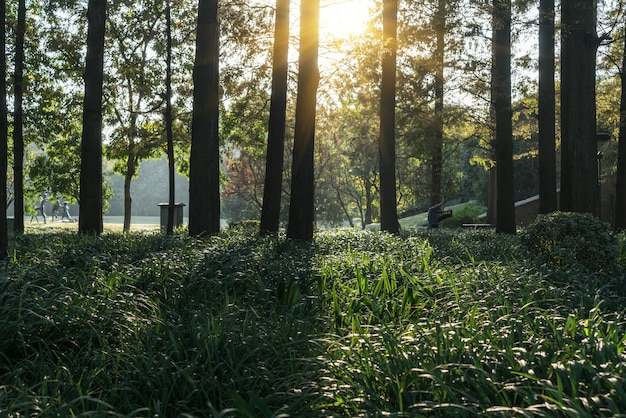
(492, 207)
(436, 195)
(620, 191)
(547, 131)
(368, 203)
(501, 96)
(345, 210)
(18, 120)
(131, 168)
(90, 212)
(270, 212)
(301, 206)
(169, 230)
(204, 170)
(387, 140)
(4, 129)
(579, 42)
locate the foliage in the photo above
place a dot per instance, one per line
(441, 323)
(473, 245)
(57, 170)
(564, 241)
(468, 213)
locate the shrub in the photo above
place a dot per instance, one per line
(565, 240)
(473, 245)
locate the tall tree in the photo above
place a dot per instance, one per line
(579, 42)
(270, 213)
(439, 23)
(620, 192)
(502, 111)
(387, 139)
(428, 32)
(90, 215)
(547, 122)
(169, 229)
(135, 76)
(4, 235)
(301, 206)
(18, 119)
(204, 171)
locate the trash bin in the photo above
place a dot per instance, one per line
(10, 224)
(178, 214)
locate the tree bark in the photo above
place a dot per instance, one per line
(131, 168)
(270, 212)
(18, 120)
(436, 195)
(501, 98)
(204, 171)
(620, 189)
(4, 129)
(301, 206)
(169, 229)
(579, 42)
(368, 203)
(387, 140)
(492, 184)
(90, 212)
(547, 119)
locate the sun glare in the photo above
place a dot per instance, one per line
(344, 18)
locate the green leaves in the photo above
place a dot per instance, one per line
(351, 324)
(564, 241)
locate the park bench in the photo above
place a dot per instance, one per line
(478, 226)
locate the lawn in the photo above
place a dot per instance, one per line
(432, 323)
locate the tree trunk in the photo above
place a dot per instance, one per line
(501, 98)
(301, 206)
(578, 107)
(4, 129)
(169, 230)
(90, 212)
(387, 140)
(436, 195)
(345, 210)
(18, 120)
(547, 131)
(368, 203)
(492, 209)
(270, 212)
(204, 170)
(620, 191)
(131, 168)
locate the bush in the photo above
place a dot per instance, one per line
(564, 240)
(473, 245)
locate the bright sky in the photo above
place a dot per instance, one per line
(342, 18)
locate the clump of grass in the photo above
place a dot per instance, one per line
(438, 323)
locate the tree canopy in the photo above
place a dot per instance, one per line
(445, 108)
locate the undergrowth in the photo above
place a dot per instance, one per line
(436, 323)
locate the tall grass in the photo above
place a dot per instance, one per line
(354, 324)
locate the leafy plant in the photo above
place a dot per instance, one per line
(565, 240)
(447, 322)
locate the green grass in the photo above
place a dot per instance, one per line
(465, 212)
(434, 323)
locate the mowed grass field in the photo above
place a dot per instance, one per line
(111, 224)
(431, 323)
